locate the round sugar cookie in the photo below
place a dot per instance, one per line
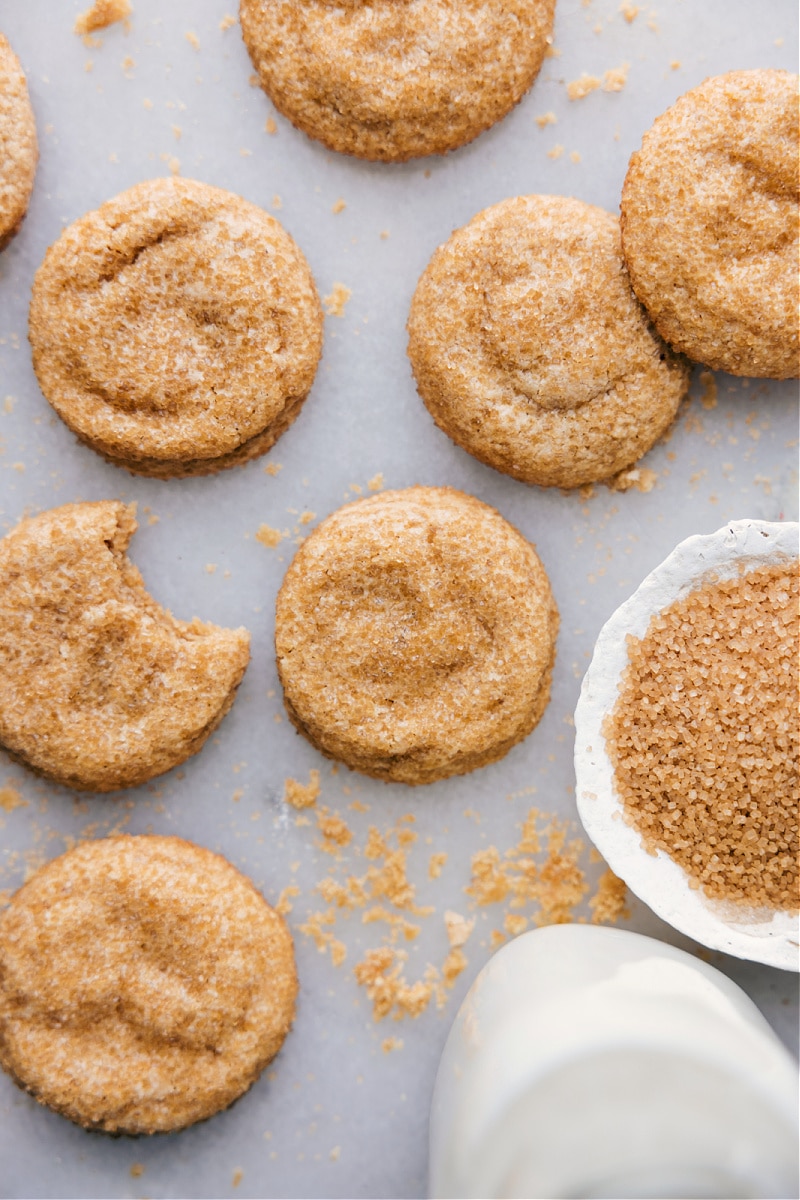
(531, 351)
(100, 688)
(710, 223)
(144, 984)
(18, 146)
(395, 79)
(415, 635)
(176, 330)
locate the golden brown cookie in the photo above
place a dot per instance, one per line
(531, 351)
(144, 984)
(394, 79)
(415, 635)
(100, 688)
(18, 147)
(176, 330)
(710, 223)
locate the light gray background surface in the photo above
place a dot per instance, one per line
(101, 130)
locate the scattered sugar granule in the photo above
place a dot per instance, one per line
(436, 863)
(301, 795)
(339, 206)
(336, 301)
(268, 536)
(270, 125)
(101, 14)
(629, 11)
(579, 88)
(608, 902)
(614, 80)
(11, 799)
(556, 152)
(548, 118)
(227, 22)
(708, 397)
(193, 40)
(376, 483)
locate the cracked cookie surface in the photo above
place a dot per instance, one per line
(415, 635)
(101, 688)
(394, 79)
(176, 330)
(531, 351)
(144, 984)
(18, 145)
(710, 223)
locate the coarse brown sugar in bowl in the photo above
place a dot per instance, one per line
(704, 737)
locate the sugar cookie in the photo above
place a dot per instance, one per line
(100, 688)
(144, 984)
(415, 635)
(176, 330)
(710, 223)
(531, 351)
(18, 146)
(393, 79)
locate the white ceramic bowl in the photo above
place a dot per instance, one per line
(759, 934)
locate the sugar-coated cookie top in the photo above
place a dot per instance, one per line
(531, 350)
(144, 984)
(18, 145)
(710, 223)
(393, 79)
(176, 322)
(415, 634)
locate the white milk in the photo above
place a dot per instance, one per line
(592, 1062)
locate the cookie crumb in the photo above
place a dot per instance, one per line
(137, 1170)
(335, 1154)
(193, 40)
(336, 301)
(300, 795)
(708, 397)
(640, 478)
(675, 65)
(579, 88)
(391, 1043)
(283, 904)
(273, 468)
(238, 1176)
(548, 118)
(376, 483)
(556, 152)
(270, 125)
(307, 517)
(339, 206)
(227, 22)
(11, 799)
(614, 80)
(458, 928)
(574, 156)
(101, 14)
(608, 903)
(436, 864)
(266, 534)
(629, 11)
